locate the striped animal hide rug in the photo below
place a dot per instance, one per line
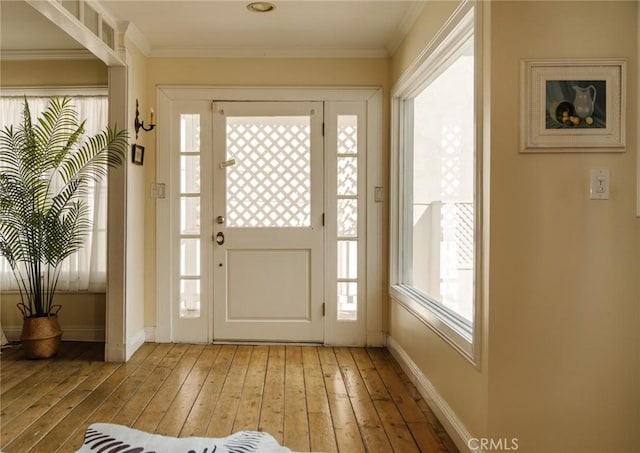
(110, 438)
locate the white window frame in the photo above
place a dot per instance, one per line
(59, 92)
(463, 336)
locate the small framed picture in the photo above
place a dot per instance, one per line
(572, 105)
(137, 154)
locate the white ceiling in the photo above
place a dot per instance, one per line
(209, 28)
(22, 28)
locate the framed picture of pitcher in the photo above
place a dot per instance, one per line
(572, 105)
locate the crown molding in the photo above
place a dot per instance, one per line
(24, 55)
(133, 34)
(238, 52)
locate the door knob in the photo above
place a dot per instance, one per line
(220, 220)
(220, 238)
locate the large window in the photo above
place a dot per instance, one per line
(85, 270)
(436, 204)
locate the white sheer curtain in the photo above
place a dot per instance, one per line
(86, 270)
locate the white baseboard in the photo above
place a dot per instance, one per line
(450, 421)
(69, 333)
(134, 343)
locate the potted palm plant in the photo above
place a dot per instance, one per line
(45, 168)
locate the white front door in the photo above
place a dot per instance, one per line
(268, 249)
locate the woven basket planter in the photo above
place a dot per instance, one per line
(41, 336)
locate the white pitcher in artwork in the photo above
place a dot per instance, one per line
(585, 101)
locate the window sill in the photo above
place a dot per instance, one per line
(451, 330)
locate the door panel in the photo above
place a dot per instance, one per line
(268, 201)
(280, 279)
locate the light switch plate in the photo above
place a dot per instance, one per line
(600, 184)
(378, 194)
(157, 190)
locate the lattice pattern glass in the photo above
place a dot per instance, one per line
(347, 218)
(190, 197)
(464, 234)
(347, 175)
(348, 134)
(270, 184)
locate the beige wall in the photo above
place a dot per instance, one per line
(53, 73)
(82, 314)
(247, 72)
(137, 194)
(564, 295)
(561, 362)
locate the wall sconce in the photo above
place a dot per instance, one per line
(137, 124)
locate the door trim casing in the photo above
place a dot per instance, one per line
(375, 277)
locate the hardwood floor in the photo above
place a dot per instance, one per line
(309, 398)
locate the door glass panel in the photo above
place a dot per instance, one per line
(347, 175)
(348, 134)
(190, 174)
(347, 259)
(189, 133)
(269, 186)
(347, 218)
(347, 301)
(189, 298)
(190, 257)
(190, 215)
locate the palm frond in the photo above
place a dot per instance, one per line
(95, 155)
(65, 234)
(58, 131)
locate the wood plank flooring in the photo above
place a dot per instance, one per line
(310, 398)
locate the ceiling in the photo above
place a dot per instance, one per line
(210, 28)
(22, 28)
